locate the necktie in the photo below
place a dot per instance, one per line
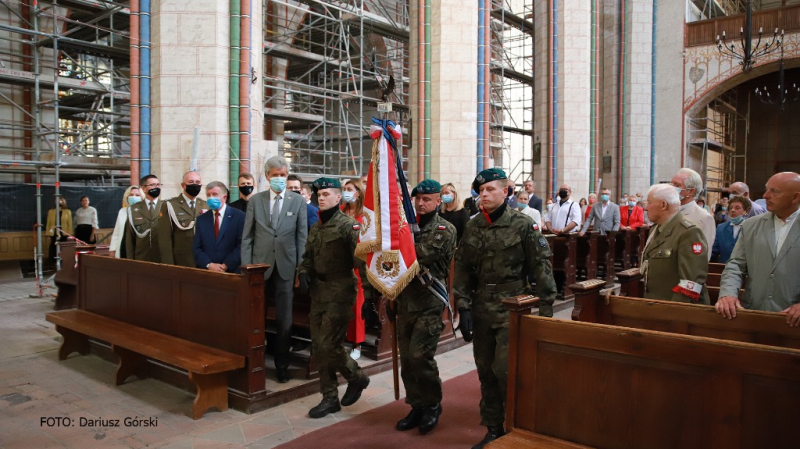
(191, 205)
(276, 210)
(152, 207)
(216, 224)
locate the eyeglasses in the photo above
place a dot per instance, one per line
(153, 186)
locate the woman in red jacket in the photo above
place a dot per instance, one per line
(632, 216)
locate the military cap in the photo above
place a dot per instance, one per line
(488, 175)
(325, 183)
(427, 186)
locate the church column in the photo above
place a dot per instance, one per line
(669, 89)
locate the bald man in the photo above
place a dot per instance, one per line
(741, 189)
(767, 254)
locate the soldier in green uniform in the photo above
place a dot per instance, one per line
(141, 243)
(419, 312)
(327, 273)
(176, 227)
(500, 250)
(675, 257)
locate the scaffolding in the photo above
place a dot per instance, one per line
(64, 95)
(512, 87)
(325, 64)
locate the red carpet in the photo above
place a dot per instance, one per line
(459, 426)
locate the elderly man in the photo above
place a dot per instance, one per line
(675, 257)
(565, 217)
(275, 232)
(689, 185)
(604, 215)
(741, 189)
(218, 236)
(767, 254)
(533, 200)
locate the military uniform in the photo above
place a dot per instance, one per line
(675, 262)
(328, 261)
(176, 230)
(141, 243)
(492, 263)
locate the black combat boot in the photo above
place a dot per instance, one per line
(493, 434)
(430, 418)
(354, 390)
(411, 420)
(329, 404)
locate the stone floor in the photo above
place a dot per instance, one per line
(35, 386)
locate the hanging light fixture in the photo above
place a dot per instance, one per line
(784, 92)
(745, 52)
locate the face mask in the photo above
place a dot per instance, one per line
(563, 194)
(724, 208)
(154, 192)
(631, 203)
(349, 197)
(133, 200)
(277, 184)
(522, 206)
(474, 193)
(447, 198)
(193, 189)
(549, 206)
(246, 190)
(738, 220)
(510, 191)
(604, 198)
(214, 203)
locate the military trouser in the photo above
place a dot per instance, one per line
(417, 337)
(490, 349)
(328, 331)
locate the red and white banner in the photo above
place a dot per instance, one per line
(386, 242)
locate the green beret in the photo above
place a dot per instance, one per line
(325, 183)
(427, 186)
(488, 175)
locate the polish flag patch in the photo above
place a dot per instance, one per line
(535, 227)
(697, 248)
(442, 227)
(356, 227)
(688, 288)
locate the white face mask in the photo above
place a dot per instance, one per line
(349, 197)
(549, 206)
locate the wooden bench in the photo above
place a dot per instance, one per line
(66, 278)
(216, 311)
(614, 387)
(207, 366)
(751, 326)
(595, 256)
(564, 248)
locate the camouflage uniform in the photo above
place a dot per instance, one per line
(176, 245)
(419, 316)
(492, 263)
(329, 262)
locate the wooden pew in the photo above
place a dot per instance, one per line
(613, 387)
(714, 267)
(595, 256)
(66, 278)
(564, 250)
(692, 319)
(208, 312)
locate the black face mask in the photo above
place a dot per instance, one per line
(563, 194)
(193, 189)
(154, 192)
(246, 190)
(510, 191)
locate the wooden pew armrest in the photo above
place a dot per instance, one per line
(522, 439)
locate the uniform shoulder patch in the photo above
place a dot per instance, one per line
(356, 227)
(687, 224)
(441, 227)
(535, 227)
(697, 248)
(543, 242)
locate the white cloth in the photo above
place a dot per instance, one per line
(603, 208)
(563, 214)
(86, 216)
(534, 214)
(736, 229)
(119, 230)
(702, 219)
(782, 229)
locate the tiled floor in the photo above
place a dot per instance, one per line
(35, 385)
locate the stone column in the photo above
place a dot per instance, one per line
(638, 98)
(669, 88)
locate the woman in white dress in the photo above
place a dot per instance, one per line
(522, 206)
(130, 198)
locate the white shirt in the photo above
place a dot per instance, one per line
(119, 229)
(534, 214)
(563, 214)
(86, 216)
(782, 229)
(603, 208)
(702, 219)
(189, 200)
(221, 211)
(273, 198)
(154, 202)
(736, 229)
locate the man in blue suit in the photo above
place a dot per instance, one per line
(218, 233)
(728, 232)
(295, 184)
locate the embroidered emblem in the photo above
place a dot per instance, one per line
(161, 214)
(543, 242)
(697, 248)
(535, 227)
(367, 222)
(437, 236)
(442, 228)
(356, 227)
(387, 268)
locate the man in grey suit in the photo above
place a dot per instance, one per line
(275, 233)
(767, 254)
(604, 215)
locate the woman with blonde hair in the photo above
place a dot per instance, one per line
(66, 226)
(452, 210)
(353, 206)
(129, 198)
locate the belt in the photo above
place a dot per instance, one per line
(506, 287)
(335, 276)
